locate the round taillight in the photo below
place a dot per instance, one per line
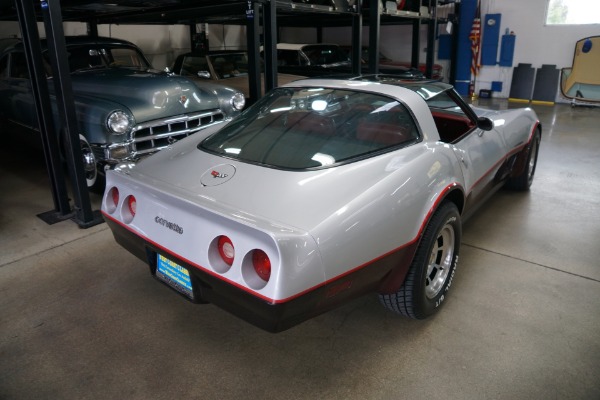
(132, 203)
(262, 264)
(226, 249)
(114, 193)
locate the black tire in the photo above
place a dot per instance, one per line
(431, 272)
(524, 180)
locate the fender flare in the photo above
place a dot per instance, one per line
(454, 192)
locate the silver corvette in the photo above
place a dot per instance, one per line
(322, 191)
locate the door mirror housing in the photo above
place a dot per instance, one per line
(485, 123)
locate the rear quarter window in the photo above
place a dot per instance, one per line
(300, 128)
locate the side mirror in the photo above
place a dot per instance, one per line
(485, 123)
(204, 74)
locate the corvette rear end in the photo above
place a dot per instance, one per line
(320, 192)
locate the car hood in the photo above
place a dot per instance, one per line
(298, 199)
(148, 94)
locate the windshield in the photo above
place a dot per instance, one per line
(325, 54)
(229, 65)
(191, 65)
(304, 128)
(91, 56)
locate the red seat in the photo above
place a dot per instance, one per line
(382, 133)
(451, 126)
(311, 123)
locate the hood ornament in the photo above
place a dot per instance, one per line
(184, 101)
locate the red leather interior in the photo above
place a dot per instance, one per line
(382, 133)
(451, 126)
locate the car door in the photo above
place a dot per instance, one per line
(480, 152)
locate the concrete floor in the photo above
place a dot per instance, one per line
(80, 318)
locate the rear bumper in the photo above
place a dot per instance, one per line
(272, 316)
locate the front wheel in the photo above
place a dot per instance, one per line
(93, 180)
(430, 275)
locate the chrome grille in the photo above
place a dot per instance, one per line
(156, 135)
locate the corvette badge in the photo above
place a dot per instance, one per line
(217, 175)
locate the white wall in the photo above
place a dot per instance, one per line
(536, 43)
(160, 43)
(11, 29)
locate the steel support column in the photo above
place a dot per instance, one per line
(374, 28)
(253, 46)
(416, 42)
(357, 39)
(431, 36)
(41, 95)
(92, 28)
(193, 33)
(84, 216)
(270, 45)
(454, 50)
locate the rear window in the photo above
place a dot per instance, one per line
(307, 128)
(91, 56)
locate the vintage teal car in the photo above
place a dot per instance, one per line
(125, 109)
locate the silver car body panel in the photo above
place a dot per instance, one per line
(315, 225)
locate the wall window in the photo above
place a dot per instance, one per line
(573, 12)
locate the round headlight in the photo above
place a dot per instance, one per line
(238, 101)
(118, 122)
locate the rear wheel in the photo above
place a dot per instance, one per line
(524, 180)
(431, 272)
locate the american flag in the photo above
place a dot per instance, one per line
(475, 37)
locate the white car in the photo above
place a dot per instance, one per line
(322, 191)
